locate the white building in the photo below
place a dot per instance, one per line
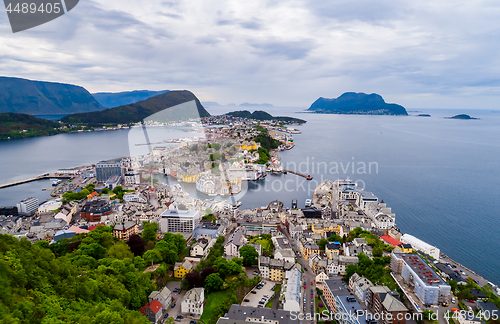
(135, 197)
(193, 300)
(421, 246)
(28, 206)
(202, 246)
(234, 244)
(132, 177)
(164, 297)
(285, 254)
(49, 206)
(291, 291)
(360, 285)
(179, 221)
(264, 266)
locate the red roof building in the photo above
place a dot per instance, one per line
(392, 241)
(152, 310)
(94, 226)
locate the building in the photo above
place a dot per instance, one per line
(193, 301)
(263, 264)
(132, 178)
(202, 246)
(275, 269)
(380, 300)
(125, 231)
(135, 197)
(344, 306)
(152, 311)
(421, 278)
(93, 210)
(164, 296)
(238, 314)
(179, 221)
(9, 211)
(360, 285)
(232, 247)
(344, 261)
(27, 207)
(49, 206)
(421, 246)
(321, 276)
(404, 248)
(105, 170)
(331, 249)
(182, 268)
(285, 254)
(291, 291)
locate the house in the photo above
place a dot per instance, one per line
(152, 311)
(181, 269)
(264, 266)
(477, 293)
(285, 254)
(193, 301)
(202, 246)
(332, 267)
(331, 249)
(344, 261)
(233, 245)
(404, 248)
(360, 285)
(125, 231)
(164, 296)
(487, 307)
(382, 301)
(321, 276)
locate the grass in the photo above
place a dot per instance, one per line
(270, 303)
(319, 309)
(277, 288)
(214, 300)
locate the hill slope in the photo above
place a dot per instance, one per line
(136, 112)
(117, 99)
(40, 97)
(357, 103)
(22, 125)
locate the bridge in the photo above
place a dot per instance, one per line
(40, 177)
(308, 177)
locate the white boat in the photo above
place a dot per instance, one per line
(308, 202)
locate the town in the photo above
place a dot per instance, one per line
(338, 257)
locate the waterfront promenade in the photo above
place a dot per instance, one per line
(40, 177)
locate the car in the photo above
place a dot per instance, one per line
(261, 302)
(192, 322)
(173, 305)
(166, 315)
(311, 283)
(470, 301)
(453, 300)
(246, 300)
(253, 292)
(267, 296)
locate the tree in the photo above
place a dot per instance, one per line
(137, 245)
(350, 270)
(170, 320)
(335, 238)
(377, 252)
(120, 251)
(249, 255)
(149, 231)
(193, 279)
(322, 243)
(213, 283)
(94, 250)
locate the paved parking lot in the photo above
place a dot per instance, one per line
(255, 298)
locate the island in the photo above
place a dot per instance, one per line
(423, 115)
(461, 116)
(357, 104)
(262, 115)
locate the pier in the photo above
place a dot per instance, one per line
(308, 177)
(40, 177)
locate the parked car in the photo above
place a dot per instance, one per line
(261, 302)
(453, 300)
(173, 305)
(267, 296)
(166, 315)
(253, 292)
(246, 300)
(192, 322)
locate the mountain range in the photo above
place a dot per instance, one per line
(357, 103)
(136, 112)
(116, 99)
(39, 97)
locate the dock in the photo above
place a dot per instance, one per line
(308, 177)
(40, 177)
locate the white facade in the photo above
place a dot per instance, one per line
(27, 206)
(134, 197)
(421, 246)
(179, 221)
(291, 289)
(132, 178)
(49, 206)
(193, 300)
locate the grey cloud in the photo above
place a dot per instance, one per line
(291, 50)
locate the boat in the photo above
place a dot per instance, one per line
(308, 202)
(56, 182)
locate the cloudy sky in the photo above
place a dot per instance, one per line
(421, 54)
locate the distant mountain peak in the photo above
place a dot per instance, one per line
(357, 103)
(117, 99)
